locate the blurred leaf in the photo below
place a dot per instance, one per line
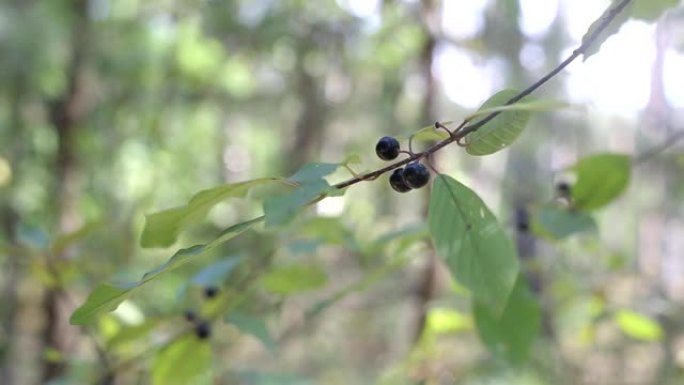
(467, 235)
(441, 321)
(559, 222)
(352, 159)
(279, 210)
(184, 361)
(293, 278)
(512, 333)
(537, 105)
(600, 179)
(104, 298)
(65, 240)
(499, 132)
(650, 10)
(132, 333)
(610, 30)
(107, 297)
(260, 378)
(252, 325)
(638, 326)
(162, 228)
(215, 273)
(33, 236)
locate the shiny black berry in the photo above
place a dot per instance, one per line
(387, 148)
(190, 316)
(210, 291)
(416, 175)
(397, 182)
(203, 330)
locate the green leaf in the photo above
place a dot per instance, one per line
(252, 325)
(538, 105)
(610, 30)
(261, 378)
(501, 131)
(104, 298)
(430, 133)
(279, 210)
(162, 228)
(512, 333)
(650, 10)
(558, 222)
(293, 278)
(132, 333)
(215, 273)
(467, 235)
(638, 326)
(600, 179)
(185, 361)
(107, 297)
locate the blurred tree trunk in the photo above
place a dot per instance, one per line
(66, 114)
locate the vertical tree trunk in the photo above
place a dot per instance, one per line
(66, 112)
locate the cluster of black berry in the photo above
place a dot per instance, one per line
(414, 175)
(202, 327)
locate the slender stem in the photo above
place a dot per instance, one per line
(667, 143)
(605, 20)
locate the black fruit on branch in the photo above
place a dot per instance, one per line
(397, 182)
(387, 148)
(416, 175)
(190, 316)
(210, 291)
(203, 330)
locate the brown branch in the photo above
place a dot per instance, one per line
(605, 19)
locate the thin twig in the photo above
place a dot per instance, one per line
(667, 143)
(605, 19)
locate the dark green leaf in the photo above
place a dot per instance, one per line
(559, 222)
(467, 235)
(185, 361)
(293, 278)
(600, 179)
(279, 210)
(252, 325)
(162, 228)
(612, 28)
(512, 333)
(638, 326)
(501, 131)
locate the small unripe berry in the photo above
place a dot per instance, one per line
(203, 330)
(416, 175)
(387, 148)
(397, 182)
(210, 291)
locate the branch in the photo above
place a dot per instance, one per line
(667, 143)
(605, 20)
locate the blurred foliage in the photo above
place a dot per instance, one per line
(215, 131)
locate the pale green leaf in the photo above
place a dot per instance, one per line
(184, 361)
(537, 105)
(638, 326)
(610, 30)
(600, 179)
(293, 278)
(558, 222)
(650, 10)
(477, 251)
(499, 132)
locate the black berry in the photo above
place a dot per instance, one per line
(203, 330)
(190, 316)
(210, 291)
(522, 220)
(387, 148)
(416, 175)
(397, 182)
(563, 189)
